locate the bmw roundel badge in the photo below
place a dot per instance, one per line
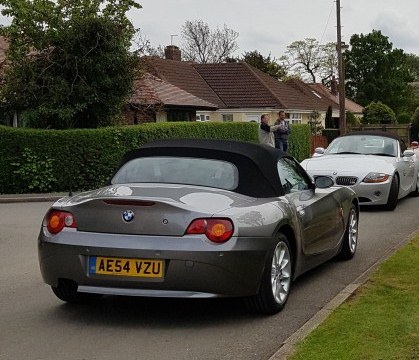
(128, 215)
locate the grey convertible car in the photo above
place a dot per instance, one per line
(197, 218)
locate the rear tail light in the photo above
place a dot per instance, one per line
(57, 220)
(216, 230)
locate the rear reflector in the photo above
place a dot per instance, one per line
(216, 230)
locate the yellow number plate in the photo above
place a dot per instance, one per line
(126, 267)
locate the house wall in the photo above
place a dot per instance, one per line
(139, 115)
(237, 116)
(161, 116)
(241, 115)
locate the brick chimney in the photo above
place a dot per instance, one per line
(334, 86)
(172, 52)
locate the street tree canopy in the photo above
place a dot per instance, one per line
(413, 66)
(204, 45)
(377, 72)
(266, 64)
(311, 61)
(68, 63)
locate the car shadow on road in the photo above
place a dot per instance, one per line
(156, 312)
(376, 208)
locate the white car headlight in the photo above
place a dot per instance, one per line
(374, 177)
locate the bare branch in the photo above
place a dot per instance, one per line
(311, 61)
(202, 45)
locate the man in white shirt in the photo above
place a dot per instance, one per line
(266, 132)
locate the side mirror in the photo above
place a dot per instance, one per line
(408, 153)
(318, 152)
(323, 182)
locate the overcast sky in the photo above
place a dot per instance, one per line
(270, 25)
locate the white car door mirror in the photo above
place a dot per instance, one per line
(408, 153)
(319, 151)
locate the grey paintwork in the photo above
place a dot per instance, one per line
(315, 220)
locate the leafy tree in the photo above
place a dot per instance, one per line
(352, 119)
(329, 118)
(266, 64)
(412, 63)
(415, 125)
(378, 113)
(203, 45)
(311, 61)
(403, 118)
(415, 117)
(377, 72)
(68, 63)
(315, 123)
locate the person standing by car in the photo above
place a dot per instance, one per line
(281, 135)
(266, 132)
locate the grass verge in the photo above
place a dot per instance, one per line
(380, 321)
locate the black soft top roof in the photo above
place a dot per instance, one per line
(257, 164)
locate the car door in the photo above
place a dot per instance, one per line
(318, 212)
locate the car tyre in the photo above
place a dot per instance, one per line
(350, 238)
(276, 280)
(393, 195)
(67, 291)
(415, 192)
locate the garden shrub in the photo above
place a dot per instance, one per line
(378, 113)
(33, 160)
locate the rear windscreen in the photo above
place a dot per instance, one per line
(179, 170)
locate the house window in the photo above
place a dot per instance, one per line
(227, 117)
(295, 118)
(253, 118)
(180, 115)
(202, 117)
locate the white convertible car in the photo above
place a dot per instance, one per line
(375, 164)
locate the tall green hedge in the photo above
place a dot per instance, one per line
(57, 160)
(299, 141)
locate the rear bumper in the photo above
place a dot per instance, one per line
(194, 267)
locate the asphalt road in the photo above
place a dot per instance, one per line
(34, 324)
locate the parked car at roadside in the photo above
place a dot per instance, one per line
(195, 219)
(375, 164)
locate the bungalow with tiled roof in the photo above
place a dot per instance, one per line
(154, 99)
(175, 90)
(236, 92)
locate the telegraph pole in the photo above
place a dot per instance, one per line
(341, 74)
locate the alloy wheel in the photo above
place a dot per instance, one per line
(353, 230)
(281, 273)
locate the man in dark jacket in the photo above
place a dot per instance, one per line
(281, 134)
